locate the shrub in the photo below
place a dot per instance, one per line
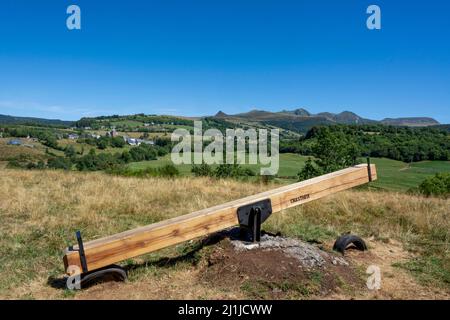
(38, 165)
(126, 156)
(103, 143)
(439, 185)
(22, 161)
(93, 162)
(14, 164)
(202, 170)
(143, 152)
(59, 163)
(117, 142)
(168, 170)
(232, 171)
(164, 171)
(70, 151)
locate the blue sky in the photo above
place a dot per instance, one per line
(193, 57)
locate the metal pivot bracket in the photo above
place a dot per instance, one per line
(80, 250)
(252, 215)
(369, 169)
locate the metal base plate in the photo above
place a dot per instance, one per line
(244, 212)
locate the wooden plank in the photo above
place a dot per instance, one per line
(132, 243)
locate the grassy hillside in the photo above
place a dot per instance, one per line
(137, 121)
(400, 176)
(40, 210)
(8, 152)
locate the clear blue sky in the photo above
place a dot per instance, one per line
(193, 57)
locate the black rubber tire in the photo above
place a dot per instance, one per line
(110, 273)
(345, 240)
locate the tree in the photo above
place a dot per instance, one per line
(334, 151)
(103, 143)
(309, 171)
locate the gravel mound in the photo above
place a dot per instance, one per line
(308, 255)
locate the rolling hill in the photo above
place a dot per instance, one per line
(5, 119)
(295, 121)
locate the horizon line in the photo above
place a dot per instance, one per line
(212, 115)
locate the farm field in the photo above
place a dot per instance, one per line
(40, 211)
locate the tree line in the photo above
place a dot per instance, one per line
(380, 141)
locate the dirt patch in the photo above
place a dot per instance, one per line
(280, 268)
(396, 283)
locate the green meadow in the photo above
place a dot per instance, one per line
(392, 175)
(399, 176)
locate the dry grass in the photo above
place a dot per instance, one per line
(380, 214)
(40, 211)
(8, 152)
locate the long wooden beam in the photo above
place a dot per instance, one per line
(112, 249)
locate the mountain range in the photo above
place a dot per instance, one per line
(301, 119)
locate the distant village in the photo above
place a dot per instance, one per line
(75, 136)
(113, 133)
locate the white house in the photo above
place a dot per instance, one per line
(137, 142)
(73, 136)
(132, 142)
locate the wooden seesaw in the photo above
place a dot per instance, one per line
(95, 258)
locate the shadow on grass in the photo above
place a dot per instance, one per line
(189, 255)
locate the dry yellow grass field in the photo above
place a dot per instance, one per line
(41, 210)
